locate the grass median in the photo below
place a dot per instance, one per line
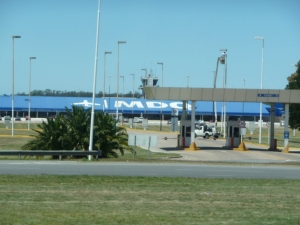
(74, 200)
(22, 136)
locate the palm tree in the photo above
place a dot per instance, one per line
(109, 137)
(71, 132)
(77, 121)
(50, 136)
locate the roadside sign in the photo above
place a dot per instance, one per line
(7, 121)
(174, 112)
(286, 135)
(242, 123)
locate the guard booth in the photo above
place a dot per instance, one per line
(234, 132)
(185, 133)
(174, 120)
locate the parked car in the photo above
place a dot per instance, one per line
(169, 121)
(18, 118)
(27, 117)
(125, 120)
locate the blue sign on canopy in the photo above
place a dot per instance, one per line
(268, 95)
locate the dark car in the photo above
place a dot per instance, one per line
(18, 118)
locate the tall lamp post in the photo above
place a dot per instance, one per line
(162, 84)
(223, 60)
(244, 88)
(132, 93)
(188, 80)
(29, 100)
(145, 77)
(188, 83)
(109, 91)
(117, 113)
(13, 86)
(145, 72)
(214, 103)
(162, 73)
(105, 53)
(122, 96)
(143, 90)
(94, 86)
(261, 84)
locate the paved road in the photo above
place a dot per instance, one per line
(147, 169)
(211, 150)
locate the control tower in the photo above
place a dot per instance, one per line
(149, 80)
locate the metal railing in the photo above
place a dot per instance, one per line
(59, 153)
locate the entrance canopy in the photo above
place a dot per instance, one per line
(223, 94)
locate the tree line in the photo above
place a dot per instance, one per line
(56, 93)
(294, 83)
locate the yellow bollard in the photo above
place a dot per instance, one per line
(241, 147)
(287, 149)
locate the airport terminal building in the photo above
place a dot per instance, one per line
(45, 106)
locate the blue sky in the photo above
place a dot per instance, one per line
(186, 35)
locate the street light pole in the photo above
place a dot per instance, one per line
(122, 97)
(117, 113)
(132, 93)
(29, 100)
(94, 86)
(13, 86)
(145, 75)
(145, 72)
(244, 88)
(105, 53)
(109, 91)
(147, 81)
(188, 80)
(162, 84)
(143, 90)
(224, 86)
(162, 73)
(261, 84)
(214, 103)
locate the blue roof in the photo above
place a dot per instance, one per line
(127, 105)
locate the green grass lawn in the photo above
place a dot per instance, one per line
(294, 141)
(45, 199)
(74, 200)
